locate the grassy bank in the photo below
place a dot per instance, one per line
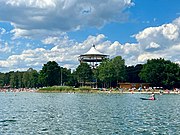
(67, 89)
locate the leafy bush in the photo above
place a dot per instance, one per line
(57, 88)
(85, 88)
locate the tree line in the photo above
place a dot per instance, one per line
(109, 73)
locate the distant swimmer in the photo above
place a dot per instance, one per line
(152, 97)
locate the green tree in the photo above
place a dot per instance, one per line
(41, 79)
(25, 79)
(19, 79)
(2, 79)
(106, 72)
(30, 78)
(132, 73)
(14, 79)
(65, 76)
(95, 76)
(73, 79)
(35, 76)
(160, 72)
(50, 74)
(118, 66)
(7, 79)
(84, 73)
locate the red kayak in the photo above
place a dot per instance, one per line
(148, 98)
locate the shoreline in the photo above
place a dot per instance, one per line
(106, 92)
(91, 91)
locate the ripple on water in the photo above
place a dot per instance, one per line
(8, 121)
(48, 113)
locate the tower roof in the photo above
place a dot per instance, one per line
(93, 51)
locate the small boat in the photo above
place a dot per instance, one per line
(147, 99)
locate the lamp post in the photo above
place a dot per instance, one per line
(61, 76)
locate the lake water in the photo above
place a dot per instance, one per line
(88, 114)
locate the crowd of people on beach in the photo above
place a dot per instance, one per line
(18, 90)
(120, 90)
(142, 90)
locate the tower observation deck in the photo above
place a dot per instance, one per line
(93, 57)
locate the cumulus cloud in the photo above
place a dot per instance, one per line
(30, 17)
(161, 41)
(162, 37)
(2, 31)
(62, 40)
(154, 42)
(153, 46)
(32, 3)
(64, 51)
(5, 48)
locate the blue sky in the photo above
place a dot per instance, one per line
(33, 32)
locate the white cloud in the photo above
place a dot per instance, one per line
(170, 31)
(62, 40)
(46, 17)
(32, 3)
(153, 46)
(142, 58)
(50, 40)
(5, 48)
(64, 51)
(161, 37)
(154, 42)
(2, 31)
(35, 33)
(162, 41)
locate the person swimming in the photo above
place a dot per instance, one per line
(152, 97)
